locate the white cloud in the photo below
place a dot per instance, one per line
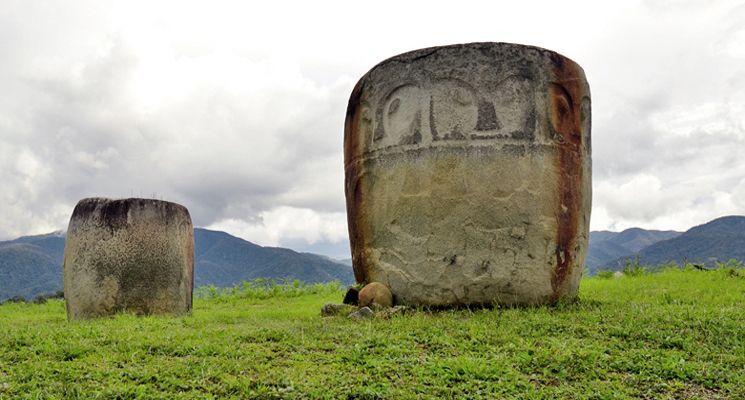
(236, 109)
(279, 224)
(644, 202)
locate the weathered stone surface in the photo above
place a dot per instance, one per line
(131, 255)
(376, 294)
(331, 310)
(352, 296)
(468, 175)
(362, 313)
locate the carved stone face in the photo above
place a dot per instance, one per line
(400, 118)
(468, 174)
(455, 110)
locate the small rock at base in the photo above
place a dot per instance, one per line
(362, 313)
(376, 293)
(330, 310)
(618, 274)
(389, 312)
(352, 297)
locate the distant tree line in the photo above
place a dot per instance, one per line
(40, 299)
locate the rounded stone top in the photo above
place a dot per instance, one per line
(468, 95)
(113, 212)
(134, 255)
(491, 49)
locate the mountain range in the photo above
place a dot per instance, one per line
(223, 260)
(32, 265)
(720, 240)
(606, 247)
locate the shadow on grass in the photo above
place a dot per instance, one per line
(569, 305)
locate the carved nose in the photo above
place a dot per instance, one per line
(487, 117)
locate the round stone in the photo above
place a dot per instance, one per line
(129, 255)
(375, 293)
(468, 175)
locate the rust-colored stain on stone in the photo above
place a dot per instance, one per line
(353, 184)
(467, 175)
(566, 100)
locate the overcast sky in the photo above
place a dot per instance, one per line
(236, 109)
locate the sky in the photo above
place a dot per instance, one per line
(236, 109)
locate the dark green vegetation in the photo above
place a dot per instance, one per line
(32, 265)
(672, 335)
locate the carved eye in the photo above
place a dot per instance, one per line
(462, 97)
(563, 109)
(562, 114)
(366, 114)
(394, 106)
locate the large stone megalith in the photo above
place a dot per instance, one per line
(131, 255)
(468, 175)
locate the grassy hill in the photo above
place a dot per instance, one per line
(672, 335)
(31, 265)
(27, 270)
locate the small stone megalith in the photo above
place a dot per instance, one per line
(468, 175)
(128, 255)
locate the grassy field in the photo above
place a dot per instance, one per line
(670, 335)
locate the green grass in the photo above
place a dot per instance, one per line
(675, 334)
